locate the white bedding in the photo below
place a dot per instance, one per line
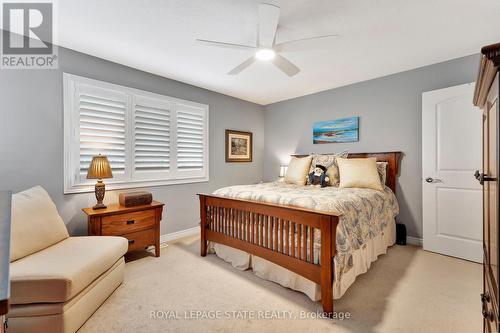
(366, 228)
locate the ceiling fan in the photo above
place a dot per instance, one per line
(265, 48)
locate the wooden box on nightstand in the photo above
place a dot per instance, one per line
(140, 224)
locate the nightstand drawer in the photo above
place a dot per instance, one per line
(140, 224)
(141, 239)
(125, 223)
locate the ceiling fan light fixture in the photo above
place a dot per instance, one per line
(265, 54)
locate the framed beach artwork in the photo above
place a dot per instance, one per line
(340, 130)
(238, 146)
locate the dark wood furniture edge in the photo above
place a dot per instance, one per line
(117, 209)
(228, 160)
(5, 238)
(488, 49)
(486, 98)
(4, 307)
(158, 217)
(488, 68)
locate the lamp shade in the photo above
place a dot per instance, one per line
(99, 168)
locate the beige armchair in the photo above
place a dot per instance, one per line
(57, 281)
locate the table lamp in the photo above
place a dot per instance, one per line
(99, 169)
(283, 170)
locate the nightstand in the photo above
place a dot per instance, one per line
(140, 224)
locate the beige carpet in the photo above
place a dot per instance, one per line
(407, 290)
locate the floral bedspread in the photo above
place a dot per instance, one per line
(364, 212)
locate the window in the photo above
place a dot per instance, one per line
(149, 139)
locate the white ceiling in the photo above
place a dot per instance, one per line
(377, 38)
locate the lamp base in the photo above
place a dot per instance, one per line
(100, 190)
(100, 206)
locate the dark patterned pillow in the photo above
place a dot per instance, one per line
(329, 161)
(382, 171)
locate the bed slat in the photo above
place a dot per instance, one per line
(282, 236)
(311, 245)
(286, 237)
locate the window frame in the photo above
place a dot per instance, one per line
(72, 182)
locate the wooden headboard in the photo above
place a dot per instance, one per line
(393, 162)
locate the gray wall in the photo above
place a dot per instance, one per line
(31, 131)
(31, 136)
(390, 119)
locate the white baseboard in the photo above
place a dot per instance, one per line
(414, 240)
(179, 234)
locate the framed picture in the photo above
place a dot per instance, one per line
(340, 130)
(238, 146)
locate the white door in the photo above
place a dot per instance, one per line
(451, 152)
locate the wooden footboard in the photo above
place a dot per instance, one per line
(281, 234)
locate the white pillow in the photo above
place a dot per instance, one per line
(298, 170)
(36, 224)
(359, 172)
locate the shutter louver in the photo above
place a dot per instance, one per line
(190, 140)
(151, 137)
(102, 130)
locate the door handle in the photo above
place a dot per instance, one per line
(482, 177)
(433, 180)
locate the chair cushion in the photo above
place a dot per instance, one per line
(61, 271)
(36, 224)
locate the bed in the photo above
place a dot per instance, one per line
(307, 234)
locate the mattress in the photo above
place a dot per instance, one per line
(366, 228)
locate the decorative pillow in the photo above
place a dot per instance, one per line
(297, 171)
(382, 171)
(329, 161)
(36, 224)
(359, 172)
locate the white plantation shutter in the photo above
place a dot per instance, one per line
(102, 126)
(149, 139)
(151, 136)
(191, 140)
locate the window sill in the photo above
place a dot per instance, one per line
(88, 188)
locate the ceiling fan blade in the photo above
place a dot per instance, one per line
(285, 65)
(317, 42)
(242, 66)
(269, 16)
(225, 45)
